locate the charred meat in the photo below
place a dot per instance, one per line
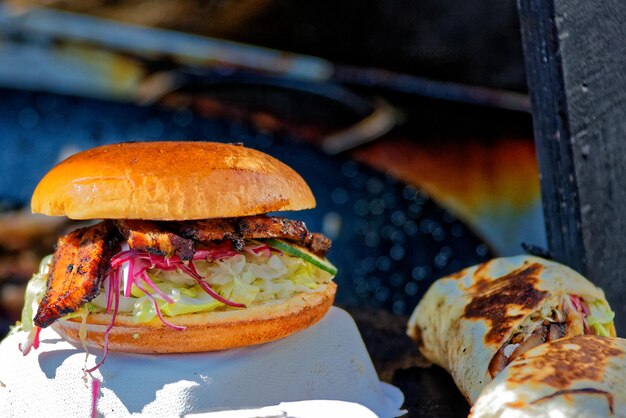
(253, 227)
(77, 271)
(556, 331)
(509, 352)
(318, 243)
(149, 236)
(211, 230)
(271, 227)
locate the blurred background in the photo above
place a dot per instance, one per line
(409, 120)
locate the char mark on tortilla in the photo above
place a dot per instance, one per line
(491, 300)
(588, 391)
(567, 361)
(77, 271)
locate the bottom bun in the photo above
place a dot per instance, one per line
(210, 331)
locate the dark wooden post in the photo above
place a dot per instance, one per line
(575, 54)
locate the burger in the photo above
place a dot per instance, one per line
(181, 254)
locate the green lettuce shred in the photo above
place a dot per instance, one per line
(35, 290)
(600, 318)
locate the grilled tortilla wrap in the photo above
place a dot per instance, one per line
(583, 376)
(474, 322)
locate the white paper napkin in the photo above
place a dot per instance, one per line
(325, 362)
(301, 409)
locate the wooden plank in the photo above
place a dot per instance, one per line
(575, 54)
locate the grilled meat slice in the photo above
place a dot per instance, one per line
(542, 334)
(556, 331)
(538, 337)
(262, 226)
(253, 227)
(210, 230)
(78, 268)
(574, 324)
(318, 243)
(149, 236)
(498, 363)
(275, 227)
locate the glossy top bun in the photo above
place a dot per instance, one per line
(170, 181)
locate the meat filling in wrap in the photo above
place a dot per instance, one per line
(561, 317)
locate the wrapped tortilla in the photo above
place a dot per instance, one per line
(583, 376)
(473, 323)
